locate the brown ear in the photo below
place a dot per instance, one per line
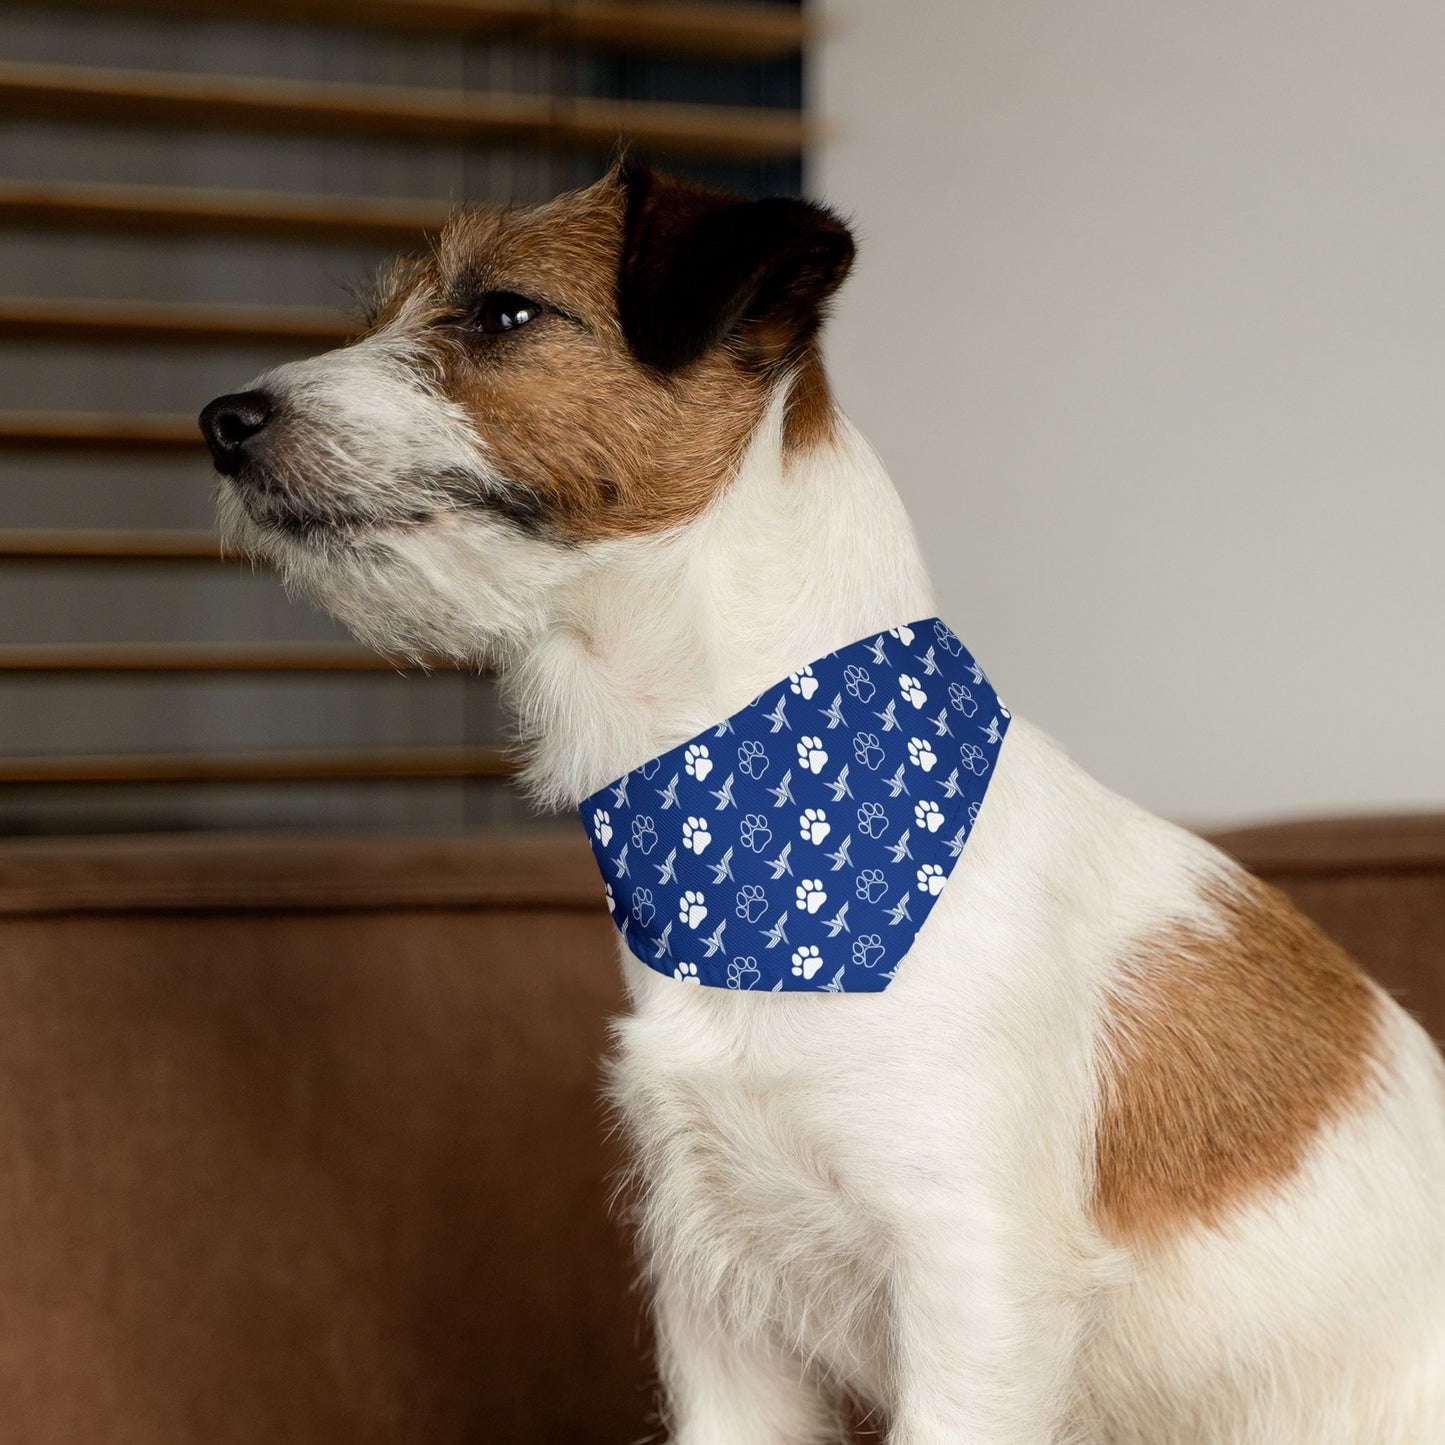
(699, 266)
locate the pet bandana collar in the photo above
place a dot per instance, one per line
(800, 844)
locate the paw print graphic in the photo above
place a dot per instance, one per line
(873, 820)
(806, 961)
(814, 825)
(921, 754)
(697, 762)
(911, 690)
(947, 639)
(611, 901)
(803, 683)
(692, 908)
(649, 768)
(752, 902)
(644, 834)
(931, 879)
(686, 973)
(867, 950)
(871, 885)
(973, 811)
(754, 833)
(867, 750)
(810, 895)
(903, 634)
(858, 683)
(752, 759)
(695, 835)
(961, 699)
(602, 826)
(973, 759)
(811, 754)
(642, 907)
(928, 815)
(743, 973)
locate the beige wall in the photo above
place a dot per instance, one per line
(1149, 323)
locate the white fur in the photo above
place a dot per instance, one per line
(889, 1194)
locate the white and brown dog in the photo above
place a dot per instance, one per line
(1128, 1153)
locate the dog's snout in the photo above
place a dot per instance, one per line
(229, 422)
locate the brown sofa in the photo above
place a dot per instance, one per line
(302, 1140)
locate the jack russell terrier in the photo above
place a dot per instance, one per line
(995, 1104)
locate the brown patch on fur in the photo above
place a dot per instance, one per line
(1227, 1053)
(595, 442)
(604, 445)
(812, 416)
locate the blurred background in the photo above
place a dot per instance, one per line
(1147, 323)
(187, 193)
(302, 1010)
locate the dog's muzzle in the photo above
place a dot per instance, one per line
(231, 423)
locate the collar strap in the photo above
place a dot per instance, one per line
(801, 844)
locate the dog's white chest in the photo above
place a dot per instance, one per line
(748, 1191)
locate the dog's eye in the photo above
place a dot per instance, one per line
(504, 311)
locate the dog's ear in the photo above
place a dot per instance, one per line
(700, 266)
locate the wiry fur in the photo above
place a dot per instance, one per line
(895, 1195)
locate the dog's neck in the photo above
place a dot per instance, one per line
(667, 635)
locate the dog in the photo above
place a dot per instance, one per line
(1127, 1151)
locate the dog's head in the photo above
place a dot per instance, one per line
(543, 385)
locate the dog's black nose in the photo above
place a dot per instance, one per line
(229, 422)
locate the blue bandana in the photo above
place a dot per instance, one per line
(801, 844)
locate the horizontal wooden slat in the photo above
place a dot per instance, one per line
(192, 657)
(84, 431)
(77, 544)
(756, 31)
(221, 102)
(332, 765)
(175, 211)
(171, 323)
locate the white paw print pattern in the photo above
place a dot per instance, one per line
(931, 879)
(801, 847)
(911, 690)
(814, 825)
(807, 960)
(812, 755)
(810, 895)
(867, 950)
(921, 754)
(695, 835)
(870, 885)
(743, 973)
(928, 815)
(974, 759)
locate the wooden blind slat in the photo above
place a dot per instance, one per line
(186, 657)
(80, 544)
(77, 431)
(752, 31)
(171, 323)
(329, 765)
(172, 211)
(219, 102)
